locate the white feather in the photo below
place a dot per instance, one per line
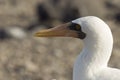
(92, 63)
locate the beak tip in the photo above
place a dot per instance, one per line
(35, 34)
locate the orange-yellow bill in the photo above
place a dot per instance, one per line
(60, 31)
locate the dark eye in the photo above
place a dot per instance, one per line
(75, 27)
(78, 27)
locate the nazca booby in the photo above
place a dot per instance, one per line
(92, 62)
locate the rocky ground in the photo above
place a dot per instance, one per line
(24, 57)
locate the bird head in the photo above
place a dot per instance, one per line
(69, 29)
(85, 27)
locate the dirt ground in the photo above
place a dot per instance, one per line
(25, 57)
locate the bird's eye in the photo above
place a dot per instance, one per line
(78, 27)
(75, 27)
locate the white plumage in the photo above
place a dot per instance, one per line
(92, 63)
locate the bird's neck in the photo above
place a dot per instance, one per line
(97, 52)
(94, 57)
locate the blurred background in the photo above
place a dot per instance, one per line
(25, 57)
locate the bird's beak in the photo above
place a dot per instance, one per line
(59, 31)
